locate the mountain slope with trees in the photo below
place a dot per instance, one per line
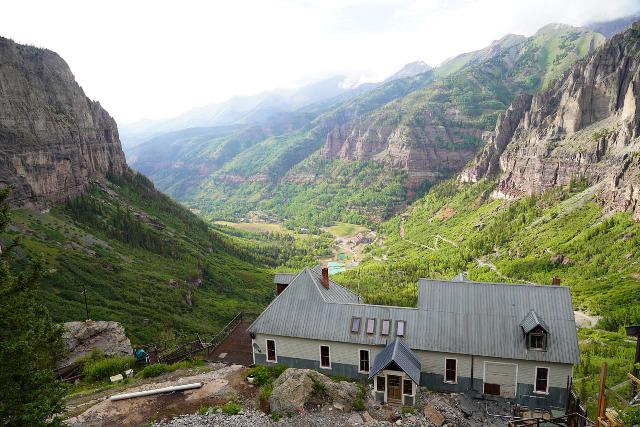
(401, 137)
(575, 217)
(144, 260)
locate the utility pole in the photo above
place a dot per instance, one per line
(86, 306)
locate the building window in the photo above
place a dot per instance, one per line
(364, 361)
(451, 371)
(386, 326)
(380, 383)
(400, 326)
(407, 387)
(271, 351)
(537, 341)
(355, 325)
(542, 380)
(371, 326)
(325, 360)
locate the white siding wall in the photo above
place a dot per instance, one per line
(432, 362)
(300, 348)
(526, 370)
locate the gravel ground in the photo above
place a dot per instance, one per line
(256, 418)
(457, 410)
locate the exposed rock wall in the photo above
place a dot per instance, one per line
(587, 126)
(427, 153)
(53, 139)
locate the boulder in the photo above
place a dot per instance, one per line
(295, 387)
(433, 415)
(367, 417)
(80, 338)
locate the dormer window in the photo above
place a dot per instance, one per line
(537, 340)
(535, 331)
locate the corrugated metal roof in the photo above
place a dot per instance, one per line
(284, 278)
(482, 319)
(397, 352)
(532, 321)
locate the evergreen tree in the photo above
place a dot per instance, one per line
(30, 344)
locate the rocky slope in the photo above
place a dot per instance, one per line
(435, 131)
(585, 127)
(53, 138)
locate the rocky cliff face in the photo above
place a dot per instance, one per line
(432, 133)
(587, 126)
(427, 153)
(53, 139)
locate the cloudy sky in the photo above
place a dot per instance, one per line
(156, 59)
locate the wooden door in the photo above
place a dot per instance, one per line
(394, 388)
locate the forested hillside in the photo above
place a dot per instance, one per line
(147, 262)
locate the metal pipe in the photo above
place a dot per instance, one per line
(155, 391)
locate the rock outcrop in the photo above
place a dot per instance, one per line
(53, 139)
(295, 387)
(80, 338)
(426, 153)
(586, 126)
(488, 161)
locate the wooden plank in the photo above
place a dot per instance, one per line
(634, 379)
(602, 399)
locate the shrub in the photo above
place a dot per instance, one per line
(406, 410)
(154, 370)
(203, 410)
(275, 416)
(319, 389)
(630, 415)
(102, 369)
(358, 405)
(266, 390)
(266, 374)
(231, 408)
